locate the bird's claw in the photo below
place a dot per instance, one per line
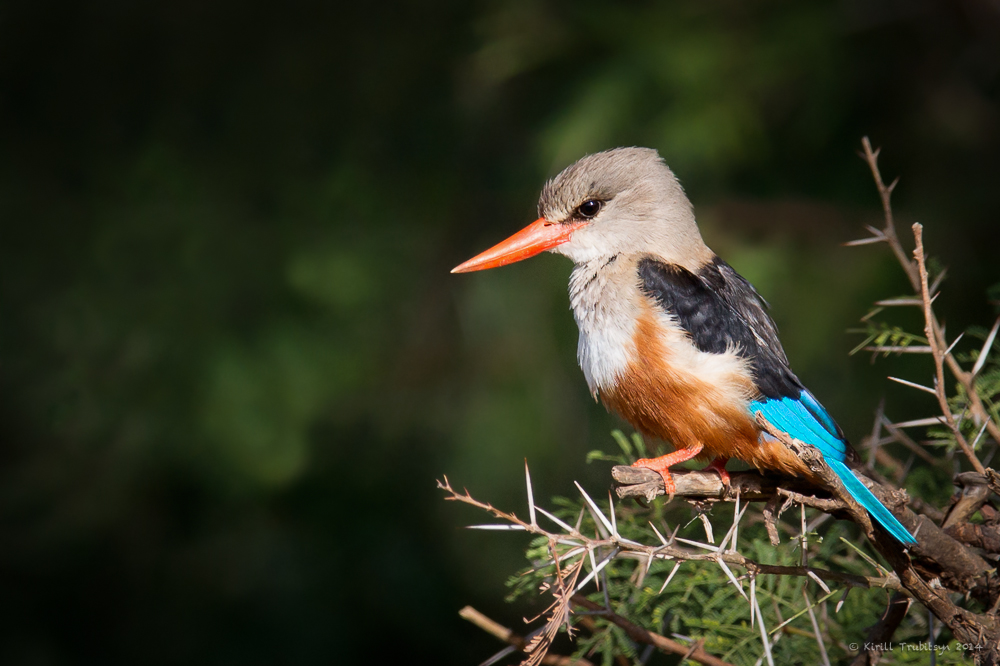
(663, 463)
(669, 487)
(719, 466)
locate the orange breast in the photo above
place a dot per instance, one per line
(662, 396)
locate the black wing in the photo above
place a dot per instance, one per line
(720, 310)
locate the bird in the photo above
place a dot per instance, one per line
(672, 338)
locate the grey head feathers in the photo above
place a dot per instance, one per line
(643, 209)
(603, 176)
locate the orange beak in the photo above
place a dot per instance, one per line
(537, 237)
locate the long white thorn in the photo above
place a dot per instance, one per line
(763, 636)
(896, 349)
(595, 508)
(984, 352)
(713, 549)
(919, 387)
(555, 520)
(753, 599)
(819, 581)
(531, 495)
(732, 578)
(981, 431)
(953, 343)
(865, 241)
(916, 423)
(737, 516)
(597, 570)
(815, 624)
(662, 540)
(593, 565)
(710, 536)
(670, 577)
(805, 542)
(890, 302)
(614, 519)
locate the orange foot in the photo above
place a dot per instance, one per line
(663, 463)
(719, 465)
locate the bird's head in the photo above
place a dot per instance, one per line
(621, 201)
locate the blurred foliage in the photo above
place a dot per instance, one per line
(233, 359)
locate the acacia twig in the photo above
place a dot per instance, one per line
(938, 351)
(572, 538)
(973, 493)
(964, 570)
(516, 641)
(888, 235)
(889, 231)
(700, 485)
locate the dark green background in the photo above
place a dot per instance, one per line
(233, 361)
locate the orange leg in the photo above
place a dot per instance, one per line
(719, 465)
(663, 463)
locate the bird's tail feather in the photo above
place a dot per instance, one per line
(864, 496)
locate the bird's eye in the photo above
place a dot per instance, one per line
(589, 208)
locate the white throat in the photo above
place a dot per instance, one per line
(604, 296)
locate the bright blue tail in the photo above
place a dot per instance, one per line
(864, 497)
(803, 418)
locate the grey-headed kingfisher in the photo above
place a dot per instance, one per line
(671, 337)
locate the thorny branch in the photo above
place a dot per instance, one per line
(667, 550)
(570, 549)
(888, 233)
(698, 485)
(916, 272)
(516, 641)
(979, 577)
(938, 351)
